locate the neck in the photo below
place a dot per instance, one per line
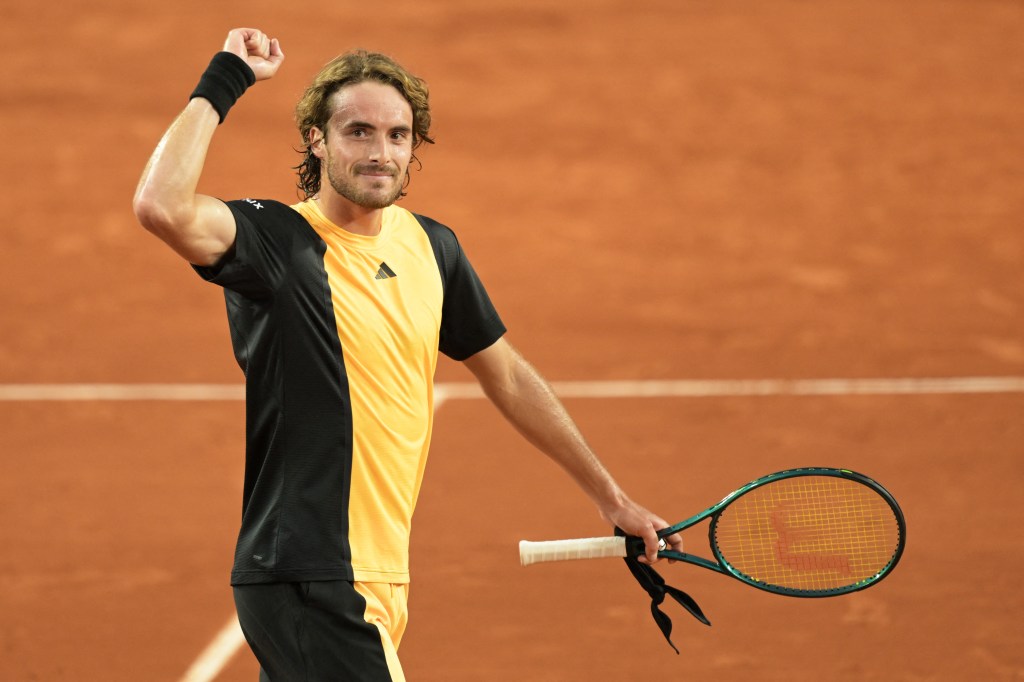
(349, 216)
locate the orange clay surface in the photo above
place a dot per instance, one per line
(670, 189)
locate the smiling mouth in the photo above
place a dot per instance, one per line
(375, 172)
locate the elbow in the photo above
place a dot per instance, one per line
(147, 212)
(158, 215)
(174, 221)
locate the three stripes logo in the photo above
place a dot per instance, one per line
(384, 272)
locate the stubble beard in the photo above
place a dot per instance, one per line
(348, 187)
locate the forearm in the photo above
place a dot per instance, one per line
(165, 199)
(529, 403)
(200, 228)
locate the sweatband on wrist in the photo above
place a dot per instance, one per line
(224, 81)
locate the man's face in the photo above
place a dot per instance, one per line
(368, 145)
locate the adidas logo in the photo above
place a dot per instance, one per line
(385, 272)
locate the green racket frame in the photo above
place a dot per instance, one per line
(722, 565)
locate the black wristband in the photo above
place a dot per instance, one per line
(225, 79)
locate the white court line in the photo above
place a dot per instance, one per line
(762, 387)
(127, 392)
(216, 656)
(567, 389)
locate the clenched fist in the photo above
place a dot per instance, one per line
(261, 53)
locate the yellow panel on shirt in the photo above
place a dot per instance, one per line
(387, 296)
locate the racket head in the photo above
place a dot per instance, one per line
(814, 532)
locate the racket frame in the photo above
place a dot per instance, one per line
(721, 565)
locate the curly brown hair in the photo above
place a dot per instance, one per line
(314, 108)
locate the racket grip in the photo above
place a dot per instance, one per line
(568, 550)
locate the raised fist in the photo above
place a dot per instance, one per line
(263, 54)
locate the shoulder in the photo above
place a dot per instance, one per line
(264, 210)
(442, 240)
(433, 228)
(272, 219)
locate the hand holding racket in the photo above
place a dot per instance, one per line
(813, 532)
(641, 524)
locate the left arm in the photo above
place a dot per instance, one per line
(527, 401)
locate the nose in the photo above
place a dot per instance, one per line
(379, 151)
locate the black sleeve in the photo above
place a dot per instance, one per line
(253, 266)
(469, 321)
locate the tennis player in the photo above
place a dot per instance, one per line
(337, 307)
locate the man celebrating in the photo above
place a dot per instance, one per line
(337, 308)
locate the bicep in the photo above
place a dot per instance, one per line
(210, 235)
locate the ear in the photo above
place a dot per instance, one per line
(316, 142)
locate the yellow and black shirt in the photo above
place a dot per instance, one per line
(338, 336)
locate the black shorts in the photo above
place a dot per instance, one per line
(321, 631)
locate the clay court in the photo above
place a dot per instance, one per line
(680, 197)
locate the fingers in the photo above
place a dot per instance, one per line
(637, 521)
(266, 65)
(651, 545)
(263, 54)
(675, 543)
(276, 53)
(257, 44)
(671, 542)
(252, 42)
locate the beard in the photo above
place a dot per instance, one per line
(351, 187)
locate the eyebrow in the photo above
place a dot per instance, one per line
(364, 124)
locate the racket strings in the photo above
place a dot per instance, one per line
(813, 533)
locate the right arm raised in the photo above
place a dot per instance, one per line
(199, 228)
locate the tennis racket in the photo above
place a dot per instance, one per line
(812, 532)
